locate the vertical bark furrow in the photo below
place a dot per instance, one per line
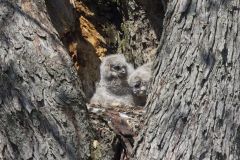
(200, 68)
(42, 109)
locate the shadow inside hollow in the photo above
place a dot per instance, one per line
(82, 52)
(155, 12)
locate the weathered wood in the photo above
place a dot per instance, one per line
(42, 109)
(193, 109)
(141, 30)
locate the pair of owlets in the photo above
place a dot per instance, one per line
(120, 84)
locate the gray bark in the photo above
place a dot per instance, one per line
(42, 109)
(193, 109)
(141, 30)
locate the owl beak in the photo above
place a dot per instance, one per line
(123, 71)
(114, 74)
(143, 88)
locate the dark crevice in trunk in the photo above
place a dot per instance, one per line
(114, 20)
(66, 21)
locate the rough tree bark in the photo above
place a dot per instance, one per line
(42, 106)
(141, 29)
(193, 109)
(42, 109)
(194, 104)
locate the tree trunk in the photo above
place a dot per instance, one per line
(193, 109)
(43, 113)
(42, 109)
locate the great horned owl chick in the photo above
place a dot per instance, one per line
(113, 88)
(139, 82)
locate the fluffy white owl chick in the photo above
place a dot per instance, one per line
(139, 82)
(113, 88)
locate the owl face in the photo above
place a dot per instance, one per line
(139, 86)
(139, 80)
(115, 67)
(118, 70)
